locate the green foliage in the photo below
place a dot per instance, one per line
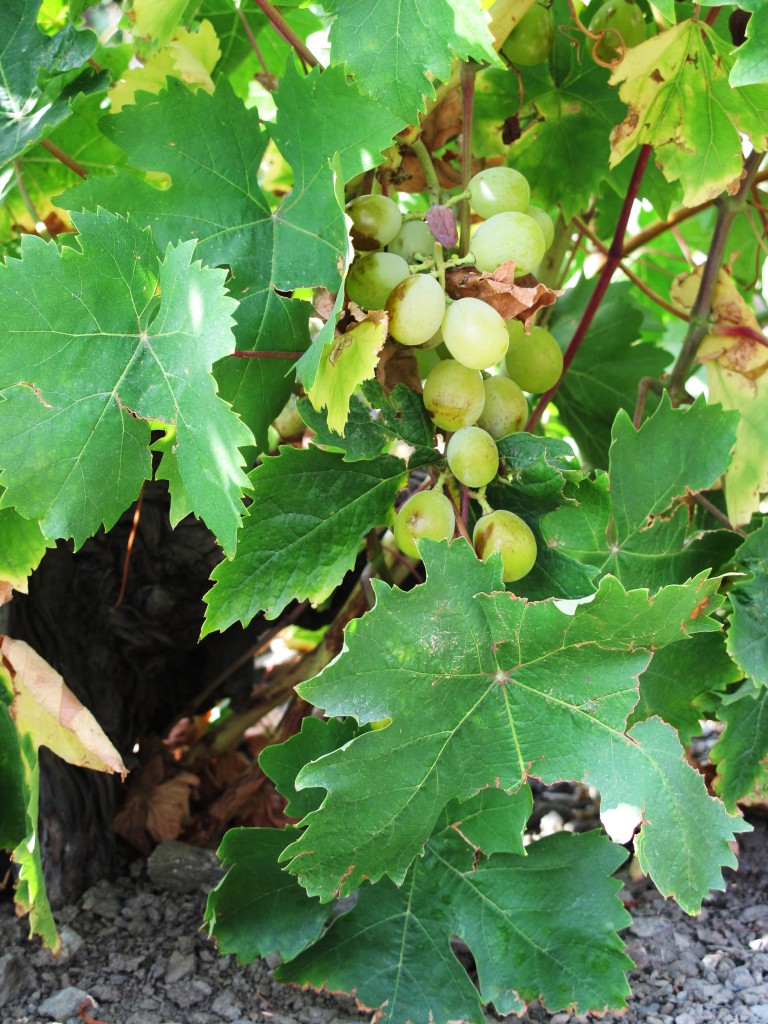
(205, 287)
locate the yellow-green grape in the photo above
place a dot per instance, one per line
(505, 410)
(371, 278)
(544, 221)
(412, 238)
(454, 395)
(531, 39)
(498, 190)
(416, 308)
(512, 537)
(508, 236)
(623, 23)
(375, 221)
(534, 361)
(288, 423)
(472, 456)
(426, 514)
(474, 333)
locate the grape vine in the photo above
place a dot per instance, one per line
(446, 319)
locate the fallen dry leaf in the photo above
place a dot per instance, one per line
(514, 299)
(397, 365)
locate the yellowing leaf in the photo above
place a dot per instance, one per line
(190, 56)
(345, 363)
(680, 102)
(44, 707)
(736, 377)
(155, 20)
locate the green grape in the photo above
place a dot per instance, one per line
(534, 361)
(416, 308)
(288, 423)
(511, 536)
(531, 39)
(505, 410)
(371, 278)
(472, 456)
(375, 221)
(498, 190)
(453, 395)
(426, 514)
(413, 237)
(474, 333)
(622, 21)
(544, 221)
(508, 236)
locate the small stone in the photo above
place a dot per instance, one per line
(65, 1003)
(684, 1018)
(226, 1006)
(183, 868)
(16, 979)
(180, 965)
(740, 978)
(760, 1013)
(758, 912)
(560, 1018)
(645, 927)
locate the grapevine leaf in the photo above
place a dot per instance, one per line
(495, 907)
(681, 680)
(257, 909)
(640, 531)
(492, 821)
(76, 397)
(394, 48)
(743, 745)
(38, 709)
(283, 761)
(479, 689)
(33, 97)
(535, 488)
(22, 545)
(748, 635)
(604, 375)
(155, 20)
(309, 514)
(571, 129)
(680, 102)
(751, 67)
(346, 362)
(401, 415)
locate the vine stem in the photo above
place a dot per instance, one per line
(467, 78)
(282, 27)
(698, 326)
(644, 288)
(252, 39)
(613, 259)
(67, 160)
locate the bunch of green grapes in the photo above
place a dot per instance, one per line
(474, 394)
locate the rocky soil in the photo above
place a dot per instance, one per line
(134, 947)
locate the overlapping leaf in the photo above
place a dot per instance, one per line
(34, 96)
(531, 923)
(481, 690)
(346, 362)
(395, 48)
(22, 545)
(743, 745)
(309, 515)
(95, 343)
(748, 635)
(681, 102)
(639, 529)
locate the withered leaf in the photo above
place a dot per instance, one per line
(514, 298)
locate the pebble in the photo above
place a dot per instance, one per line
(65, 1003)
(180, 965)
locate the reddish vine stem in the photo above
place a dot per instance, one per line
(699, 325)
(262, 354)
(282, 27)
(129, 550)
(468, 71)
(715, 511)
(711, 17)
(613, 259)
(252, 39)
(67, 160)
(644, 288)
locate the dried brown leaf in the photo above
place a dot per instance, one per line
(514, 299)
(397, 365)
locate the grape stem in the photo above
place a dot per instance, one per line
(482, 501)
(433, 184)
(252, 40)
(467, 77)
(60, 155)
(284, 30)
(698, 325)
(613, 259)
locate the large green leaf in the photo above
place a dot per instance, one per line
(638, 527)
(748, 635)
(603, 377)
(310, 513)
(395, 48)
(34, 95)
(681, 102)
(743, 745)
(95, 342)
(481, 687)
(495, 905)
(22, 546)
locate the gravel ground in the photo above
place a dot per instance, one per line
(133, 945)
